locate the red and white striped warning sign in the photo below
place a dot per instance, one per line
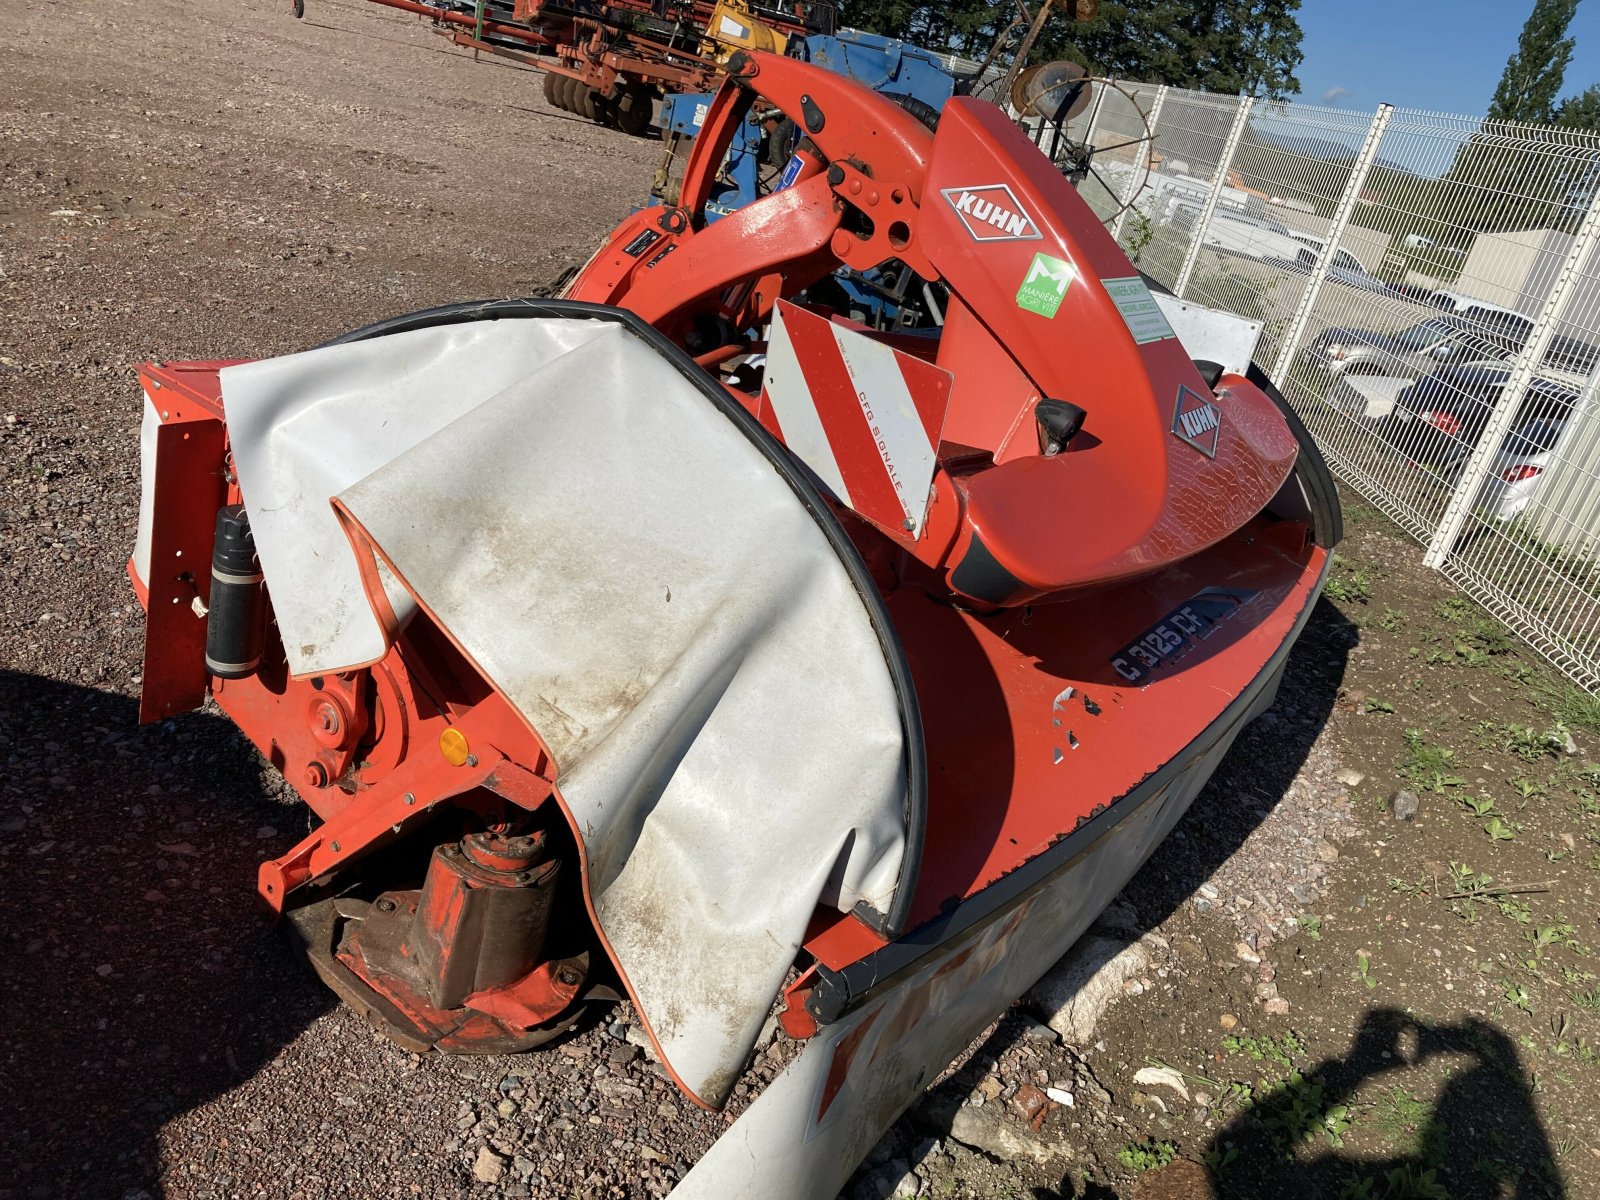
(862, 415)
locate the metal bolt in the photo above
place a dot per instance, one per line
(385, 905)
(336, 847)
(472, 760)
(411, 797)
(569, 977)
(908, 524)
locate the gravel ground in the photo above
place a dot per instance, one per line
(185, 181)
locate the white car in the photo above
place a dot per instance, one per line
(1518, 469)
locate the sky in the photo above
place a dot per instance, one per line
(1443, 55)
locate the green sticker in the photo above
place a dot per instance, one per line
(1045, 285)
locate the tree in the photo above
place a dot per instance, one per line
(1533, 75)
(1581, 111)
(1228, 46)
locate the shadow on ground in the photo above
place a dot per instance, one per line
(138, 979)
(1481, 1139)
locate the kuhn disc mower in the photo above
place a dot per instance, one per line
(677, 637)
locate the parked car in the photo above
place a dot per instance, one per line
(1345, 268)
(1412, 351)
(1418, 294)
(1518, 470)
(1438, 420)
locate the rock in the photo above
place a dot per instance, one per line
(1277, 1006)
(1037, 1031)
(1181, 1179)
(1327, 851)
(1349, 776)
(985, 1130)
(1244, 953)
(623, 1054)
(1059, 1096)
(1030, 1104)
(1571, 747)
(1209, 892)
(1119, 917)
(1403, 805)
(990, 1087)
(1075, 992)
(506, 1108)
(488, 1167)
(1228, 1021)
(1162, 1077)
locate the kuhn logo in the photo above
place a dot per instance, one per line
(1197, 421)
(992, 214)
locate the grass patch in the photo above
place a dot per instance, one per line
(1148, 1155)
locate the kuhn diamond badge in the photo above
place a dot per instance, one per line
(1197, 421)
(992, 213)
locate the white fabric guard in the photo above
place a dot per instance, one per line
(642, 583)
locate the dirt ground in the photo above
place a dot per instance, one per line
(1355, 1006)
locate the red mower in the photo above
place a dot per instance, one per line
(681, 637)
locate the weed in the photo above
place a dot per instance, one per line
(1589, 1000)
(1347, 584)
(1529, 788)
(1481, 806)
(1428, 766)
(1530, 744)
(1312, 926)
(1392, 621)
(1500, 830)
(1364, 970)
(1406, 1122)
(1545, 936)
(1374, 705)
(1518, 995)
(1218, 1158)
(1282, 1050)
(1295, 1110)
(1148, 1155)
(1573, 706)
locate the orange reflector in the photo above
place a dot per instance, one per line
(453, 745)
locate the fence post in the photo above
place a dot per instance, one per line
(1224, 161)
(1510, 401)
(1341, 220)
(1135, 183)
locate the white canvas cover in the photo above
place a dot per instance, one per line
(642, 583)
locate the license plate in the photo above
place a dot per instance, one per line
(1177, 633)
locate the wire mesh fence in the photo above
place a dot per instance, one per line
(1429, 291)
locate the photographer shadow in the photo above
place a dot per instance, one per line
(1482, 1138)
(140, 981)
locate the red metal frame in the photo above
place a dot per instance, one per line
(1030, 730)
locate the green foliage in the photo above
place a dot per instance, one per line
(1428, 766)
(1374, 705)
(1347, 584)
(1281, 1050)
(1226, 46)
(1533, 75)
(1148, 1155)
(1296, 1110)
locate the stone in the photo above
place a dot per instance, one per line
(1030, 1104)
(990, 1087)
(1074, 994)
(1244, 953)
(1277, 1006)
(1162, 1077)
(1327, 851)
(1349, 776)
(506, 1108)
(985, 1130)
(1403, 805)
(488, 1167)
(1571, 746)
(623, 1054)
(1228, 1021)
(1059, 1096)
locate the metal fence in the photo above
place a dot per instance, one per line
(1430, 298)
